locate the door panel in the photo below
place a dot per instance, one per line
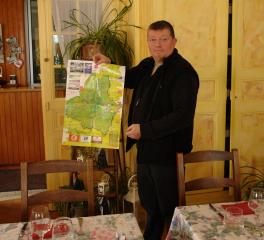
(247, 126)
(202, 39)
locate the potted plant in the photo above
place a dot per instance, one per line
(108, 37)
(252, 177)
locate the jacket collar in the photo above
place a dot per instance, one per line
(170, 57)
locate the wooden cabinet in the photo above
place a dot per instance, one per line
(21, 126)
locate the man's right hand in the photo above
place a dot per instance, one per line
(100, 58)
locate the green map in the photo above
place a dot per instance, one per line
(94, 100)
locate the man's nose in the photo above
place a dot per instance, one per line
(158, 42)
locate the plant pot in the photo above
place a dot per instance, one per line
(89, 50)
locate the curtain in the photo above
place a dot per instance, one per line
(60, 13)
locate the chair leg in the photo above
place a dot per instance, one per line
(165, 230)
(123, 205)
(134, 208)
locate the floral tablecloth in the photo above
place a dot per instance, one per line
(199, 222)
(103, 227)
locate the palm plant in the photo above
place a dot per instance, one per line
(109, 34)
(252, 177)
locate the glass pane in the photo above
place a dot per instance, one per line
(60, 13)
(60, 60)
(62, 36)
(34, 32)
(60, 76)
(58, 66)
(59, 44)
(93, 10)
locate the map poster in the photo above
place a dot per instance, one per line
(93, 108)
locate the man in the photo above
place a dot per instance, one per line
(160, 122)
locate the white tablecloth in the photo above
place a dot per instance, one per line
(199, 222)
(103, 227)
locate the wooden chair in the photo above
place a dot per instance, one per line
(60, 195)
(207, 182)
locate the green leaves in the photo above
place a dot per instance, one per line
(251, 177)
(110, 33)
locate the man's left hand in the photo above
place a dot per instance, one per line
(133, 131)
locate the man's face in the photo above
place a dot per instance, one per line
(160, 43)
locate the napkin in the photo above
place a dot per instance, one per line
(243, 205)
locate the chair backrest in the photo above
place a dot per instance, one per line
(207, 182)
(60, 195)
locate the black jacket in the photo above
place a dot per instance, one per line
(164, 106)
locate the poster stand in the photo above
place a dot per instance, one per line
(118, 166)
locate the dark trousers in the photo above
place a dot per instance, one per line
(157, 188)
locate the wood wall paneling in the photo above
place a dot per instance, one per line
(13, 24)
(21, 127)
(21, 124)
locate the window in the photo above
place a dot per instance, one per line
(33, 42)
(59, 38)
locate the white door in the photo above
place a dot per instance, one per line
(53, 38)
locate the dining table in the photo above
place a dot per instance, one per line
(102, 227)
(206, 222)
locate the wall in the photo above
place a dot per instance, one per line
(12, 21)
